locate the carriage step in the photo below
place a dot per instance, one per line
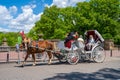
(88, 52)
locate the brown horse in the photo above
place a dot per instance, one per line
(34, 47)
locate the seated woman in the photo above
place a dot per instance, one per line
(90, 43)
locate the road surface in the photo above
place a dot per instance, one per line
(108, 70)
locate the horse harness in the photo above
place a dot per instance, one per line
(37, 47)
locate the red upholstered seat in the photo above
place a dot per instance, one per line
(68, 44)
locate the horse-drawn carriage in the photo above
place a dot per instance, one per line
(80, 52)
(71, 55)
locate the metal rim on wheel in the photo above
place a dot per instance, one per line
(73, 58)
(98, 54)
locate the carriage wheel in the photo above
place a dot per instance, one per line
(73, 57)
(98, 54)
(63, 60)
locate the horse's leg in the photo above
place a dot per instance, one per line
(25, 59)
(33, 56)
(50, 55)
(44, 56)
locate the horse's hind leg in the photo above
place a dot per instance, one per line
(50, 57)
(44, 56)
(33, 56)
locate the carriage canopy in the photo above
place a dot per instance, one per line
(95, 33)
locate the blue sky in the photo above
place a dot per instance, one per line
(18, 3)
(17, 15)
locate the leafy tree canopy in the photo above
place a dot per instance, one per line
(102, 15)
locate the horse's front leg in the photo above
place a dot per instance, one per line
(50, 55)
(25, 59)
(33, 56)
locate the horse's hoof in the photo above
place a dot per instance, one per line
(49, 63)
(34, 64)
(22, 65)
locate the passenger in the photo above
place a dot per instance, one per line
(90, 43)
(81, 42)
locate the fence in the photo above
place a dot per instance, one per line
(117, 47)
(9, 54)
(5, 49)
(115, 51)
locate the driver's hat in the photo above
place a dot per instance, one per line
(80, 39)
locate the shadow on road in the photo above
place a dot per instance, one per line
(103, 74)
(41, 64)
(28, 64)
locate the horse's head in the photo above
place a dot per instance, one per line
(25, 43)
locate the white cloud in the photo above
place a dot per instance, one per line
(24, 21)
(13, 10)
(60, 3)
(5, 16)
(65, 3)
(46, 5)
(4, 30)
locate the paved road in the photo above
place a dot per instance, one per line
(109, 70)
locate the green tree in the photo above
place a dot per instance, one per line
(108, 13)
(1, 37)
(11, 38)
(102, 15)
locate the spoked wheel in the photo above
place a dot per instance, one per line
(98, 54)
(73, 57)
(61, 56)
(63, 60)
